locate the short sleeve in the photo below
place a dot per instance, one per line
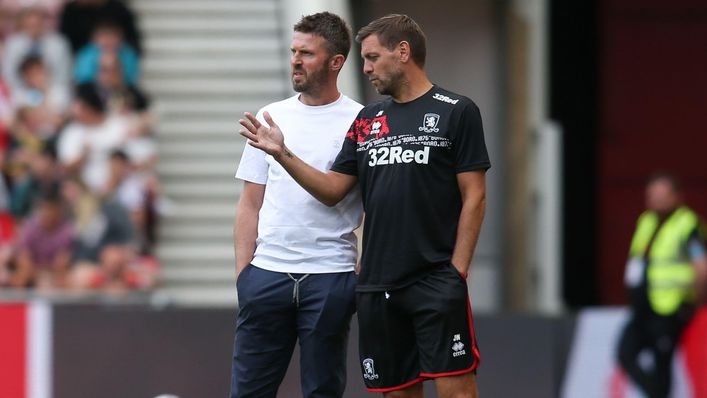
(345, 161)
(253, 167)
(468, 141)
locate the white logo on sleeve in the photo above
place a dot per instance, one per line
(429, 123)
(380, 112)
(444, 98)
(457, 346)
(369, 372)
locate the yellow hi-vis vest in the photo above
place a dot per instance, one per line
(670, 275)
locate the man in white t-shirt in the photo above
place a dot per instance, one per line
(85, 144)
(295, 257)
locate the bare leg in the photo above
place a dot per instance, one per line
(414, 391)
(461, 386)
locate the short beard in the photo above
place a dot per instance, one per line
(391, 86)
(312, 84)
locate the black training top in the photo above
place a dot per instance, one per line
(406, 157)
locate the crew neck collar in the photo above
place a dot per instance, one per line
(316, 108)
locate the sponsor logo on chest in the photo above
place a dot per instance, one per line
(396, 155)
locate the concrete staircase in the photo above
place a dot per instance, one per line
(206, 62)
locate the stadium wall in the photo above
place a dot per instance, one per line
(72, 350)
(138, 351)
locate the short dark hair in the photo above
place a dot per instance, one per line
(51, 194)
(394, 28)
(88, 94)
(30, 61)
(119, 154)
(331, 28)
(670, 179)
(109, 24)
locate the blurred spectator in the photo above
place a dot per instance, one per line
(10, 8)
(79, 17)
(35, 38)
(107, 38)
(7, 233)
(41, 177)
(85, 144)
(7, 224)
(666, 277)
(98, 225)
(5, 112)
(106, 255)
(136, 193)
(123, 98)
(37, 91)
(45, 247)
(118, 272)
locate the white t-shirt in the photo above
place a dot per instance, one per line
(296, 232)
(101, 140)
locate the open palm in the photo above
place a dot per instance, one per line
(268, 139)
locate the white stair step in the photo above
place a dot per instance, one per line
(198, 274)
(207, 108)
(198, 190)
(201, 211)
(195, 254)
(210, 66)
(195, 126)
(228, 25)
(232, 45)
(191, 7)
(193, 170)
(191, 86)
(208, 231)
(199, 148)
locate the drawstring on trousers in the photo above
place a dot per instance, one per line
(295, 291)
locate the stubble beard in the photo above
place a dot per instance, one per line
(391, 84)
(311, 83)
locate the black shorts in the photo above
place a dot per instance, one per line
(418, 332)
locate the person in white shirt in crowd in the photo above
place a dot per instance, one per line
(295, 257)
(85, 144)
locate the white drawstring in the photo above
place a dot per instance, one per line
(295, 291)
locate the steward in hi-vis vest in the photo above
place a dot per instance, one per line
(665, 278)
(665, 250)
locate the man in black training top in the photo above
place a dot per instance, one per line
(420, 159)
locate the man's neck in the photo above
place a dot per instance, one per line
(414, 85)
(665, 214)
(323, 97)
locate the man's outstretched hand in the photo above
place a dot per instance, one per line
(268, 139)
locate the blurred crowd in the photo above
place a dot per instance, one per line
(79, 200)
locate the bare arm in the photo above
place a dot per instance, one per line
(472, 186)
(245, 230)
(329, 188)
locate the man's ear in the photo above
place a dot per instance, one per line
(337, 62)
(404, 50)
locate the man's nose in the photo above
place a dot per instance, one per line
(367, 67)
